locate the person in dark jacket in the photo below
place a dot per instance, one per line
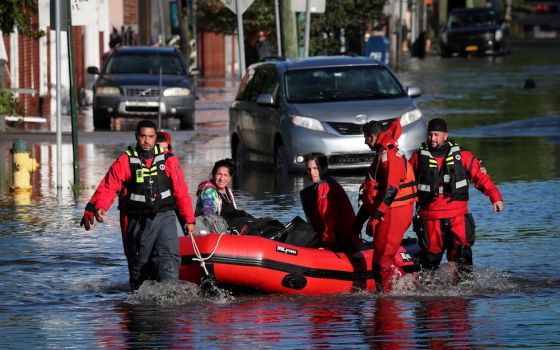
(327, 207)
(443, 171)
(155, 190)
(263, 47)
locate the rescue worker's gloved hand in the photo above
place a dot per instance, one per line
(89, 216)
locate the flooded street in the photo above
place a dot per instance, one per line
(63, 287)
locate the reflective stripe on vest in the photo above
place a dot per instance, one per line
(150, 188)
(406, 194)
(453, 180)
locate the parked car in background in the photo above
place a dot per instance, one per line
(285, 109)
(145, 82)
(477, 30)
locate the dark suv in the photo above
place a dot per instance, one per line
(476, 30)
(285, 109)
(145, 82)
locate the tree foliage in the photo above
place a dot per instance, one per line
(8, 103)
(18, 14)
(348, 16)
(213, 16)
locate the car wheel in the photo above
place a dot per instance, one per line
(240, 157)
(281, 163)
(101, 121)
(187, 122)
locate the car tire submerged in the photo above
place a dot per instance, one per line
(281, 163)
(101, 121)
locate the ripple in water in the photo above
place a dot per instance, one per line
(173, 294)
(440, 283)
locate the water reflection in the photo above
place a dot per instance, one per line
(435, 317)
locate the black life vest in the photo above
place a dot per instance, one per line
(149, 190)
(453, 175)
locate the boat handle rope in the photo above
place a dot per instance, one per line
(199, 256)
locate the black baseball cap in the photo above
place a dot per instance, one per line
(437, 124)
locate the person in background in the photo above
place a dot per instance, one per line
(115, 40)
(155, 189)
(154, 41)
(327, 207)
(163, 140)
(263, 48)
(388, 197)
(443, 170)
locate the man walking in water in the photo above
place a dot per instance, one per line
(155, 190)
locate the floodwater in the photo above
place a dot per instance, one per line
(63, 287)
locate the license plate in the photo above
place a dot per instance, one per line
(471, 48)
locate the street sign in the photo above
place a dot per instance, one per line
(243, 5)
(316, 6)
(84, 12)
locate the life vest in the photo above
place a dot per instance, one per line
(225, 202)
(371, 188)
(149, 190)
(453, 175)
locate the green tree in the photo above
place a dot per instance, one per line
(213, 16)
(18, 14)
(8, 103)
(350, 16)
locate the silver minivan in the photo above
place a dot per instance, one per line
(285, 109)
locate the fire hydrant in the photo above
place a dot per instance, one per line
(23, 166)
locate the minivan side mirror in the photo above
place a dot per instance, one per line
(93, 70)
(413, 91)
(265, 100)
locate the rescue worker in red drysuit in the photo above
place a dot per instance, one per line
(327, 207)
(388, 197)
(163, 140)
(155, 189)
(443, 171)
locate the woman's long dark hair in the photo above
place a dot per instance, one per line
(228, 163)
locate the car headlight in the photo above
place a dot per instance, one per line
(307, 123)
(177, 92)
(107, 90)
(499, 34)
(410, 117)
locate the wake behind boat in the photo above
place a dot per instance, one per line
(266, 265)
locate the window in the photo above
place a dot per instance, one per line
(140, 63)
(265, 82)
(341, 83)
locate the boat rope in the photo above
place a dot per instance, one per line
(199, 256)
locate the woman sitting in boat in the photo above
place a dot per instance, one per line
(215, 206)
(214, 195)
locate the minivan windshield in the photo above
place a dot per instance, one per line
(341, 84)
(473, 18)
(144, 63)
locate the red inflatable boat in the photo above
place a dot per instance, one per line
(252, 262)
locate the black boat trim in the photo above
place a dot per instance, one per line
(288, 268)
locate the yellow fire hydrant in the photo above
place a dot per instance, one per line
(22, 166)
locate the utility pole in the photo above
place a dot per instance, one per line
(289, 29)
